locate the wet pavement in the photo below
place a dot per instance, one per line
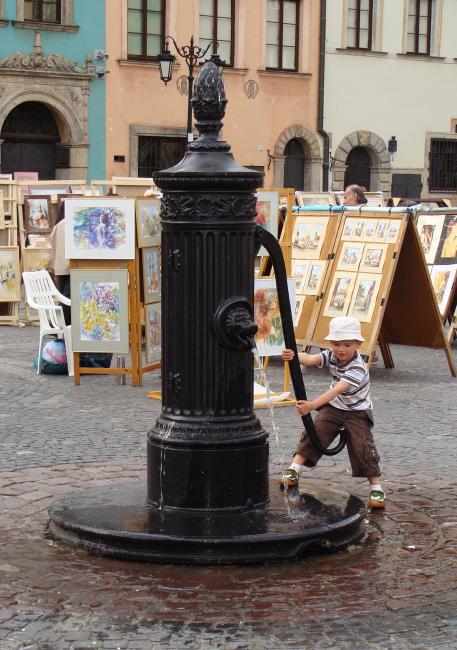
(397, 589)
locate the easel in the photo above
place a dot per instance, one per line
(131, 266)
(405, 308)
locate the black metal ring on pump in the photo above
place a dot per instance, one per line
(264, 238)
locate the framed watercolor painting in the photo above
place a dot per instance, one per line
(266, 214)
(38, 241)
(151, 274)
(364, 296)
(100, 228)
(37, 214)
(393, 231)
(313, 281)
(269, 338)
(369, 229)
(153, 326)
(350, 256)
(382, 228)
(300, 269)
(308, 237)
(99, 310)
(10, 274)
(37, 259)
(359, 227)
(340, 294)
(148, 222)
(443, 279)
(348, 228)
(430, 228)
(373, 258)
(447, 247)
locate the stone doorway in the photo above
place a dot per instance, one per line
(294, 164)
(358, 168)
(30, 135)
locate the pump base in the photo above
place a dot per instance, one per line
(116, 521)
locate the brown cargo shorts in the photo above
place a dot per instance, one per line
(362, 451)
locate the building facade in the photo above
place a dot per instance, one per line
(271, 81)
(391, 76)
(52, 101)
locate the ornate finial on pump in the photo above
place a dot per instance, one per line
(209, 102)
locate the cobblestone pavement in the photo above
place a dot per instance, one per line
(395, 590)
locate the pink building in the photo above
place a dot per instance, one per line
(272, 48)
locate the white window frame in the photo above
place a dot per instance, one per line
(171, 27)
(435, 36)
(304, 39)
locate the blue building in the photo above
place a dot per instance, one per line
(52, 88)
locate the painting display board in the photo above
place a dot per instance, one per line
(378, 274)
(9, 310)
(437, 230)
(307, 246)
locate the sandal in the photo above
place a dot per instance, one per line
(376, 499)
(289, 479)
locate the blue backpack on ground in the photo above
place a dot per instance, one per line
(53, 358)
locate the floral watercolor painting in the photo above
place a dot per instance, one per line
(37, 259)
(99, 228)
(148, 222)
(10, 277)
(269, 338)
(99, 310)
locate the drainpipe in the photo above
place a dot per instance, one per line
(320, 110)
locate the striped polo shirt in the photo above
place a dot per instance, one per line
(355, 372)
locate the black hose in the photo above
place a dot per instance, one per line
(264, 238)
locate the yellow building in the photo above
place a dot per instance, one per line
(271, 81)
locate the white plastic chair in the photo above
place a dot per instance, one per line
(42, 295)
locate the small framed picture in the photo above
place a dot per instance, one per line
(364, 296)
(37, 259)
(369, 229)
(300, 269)
(350, 256)
(373, 258)
(443, 278)
(153, 326)
(308, 237)
(313, 280)
(382, 228)
(10, 274)
(299, 302)
(38, 241)
(266, 214)
(447, 248)
(340, 294)
(151, 274)
(348, 228)
(148, 222)
(393, 231)
(359, 227)
(37, 212)
(270, 338)
(430, 228)
(99, 310)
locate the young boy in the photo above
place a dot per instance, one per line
(347, 402)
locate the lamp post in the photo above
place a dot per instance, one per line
(191, 54)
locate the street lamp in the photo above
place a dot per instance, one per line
(191, 54)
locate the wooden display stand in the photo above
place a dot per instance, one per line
(9, 311)
(131, 266)
(405, 310)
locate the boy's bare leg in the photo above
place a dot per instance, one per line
(299, 460)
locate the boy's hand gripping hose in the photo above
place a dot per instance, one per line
(263, 237)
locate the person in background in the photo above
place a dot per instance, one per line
(353, 195)
(59, 263)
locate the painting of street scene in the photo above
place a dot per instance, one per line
(308, 237)
(153, 320)
(313, 281)
(37, 212)
(350, 257)
(373, 258)
(340, 294)
(148, 222)
(364, 298)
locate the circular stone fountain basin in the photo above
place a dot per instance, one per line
(116, 521)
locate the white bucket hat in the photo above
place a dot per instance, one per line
(344, 328)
